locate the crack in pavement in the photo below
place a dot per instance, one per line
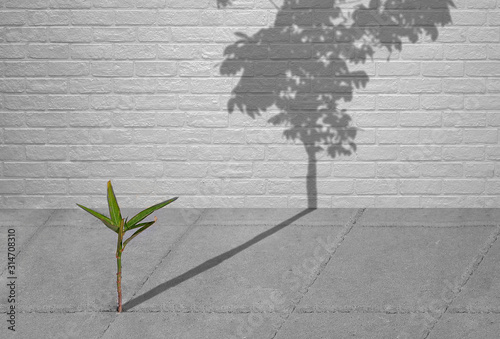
(174, 246)
(464, 278)
(303, 291)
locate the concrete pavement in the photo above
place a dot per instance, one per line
(258, 273)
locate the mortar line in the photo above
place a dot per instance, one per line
(27, 243)
(303, 291)
(465, 277)
(174, 246)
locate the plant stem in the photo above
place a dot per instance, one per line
(119, 250)
(119, 281)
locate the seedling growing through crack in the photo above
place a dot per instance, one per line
(116, 223)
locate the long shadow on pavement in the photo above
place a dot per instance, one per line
(211, 263)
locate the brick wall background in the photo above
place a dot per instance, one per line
(132, 90)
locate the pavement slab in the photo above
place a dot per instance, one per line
(481, 294)
(352, 325)
(24, 218)
(467, 326)
(74, 267)
(431, 217)
(274, 216)
(25, 224)
(135, 325)
(232, 266)
(84, 325)
(395, 268)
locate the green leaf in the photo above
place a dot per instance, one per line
(106, 221)
(146, 225)
(141, 215)
(114, 209)
(140, 225)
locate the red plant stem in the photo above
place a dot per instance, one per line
(119, 281)
(119, 250)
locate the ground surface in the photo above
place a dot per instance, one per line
(258, 273)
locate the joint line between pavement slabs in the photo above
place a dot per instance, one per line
(174, 246)
(316, 273)
(246, 310)
(172, 249)
(27, 242)
(464, 278)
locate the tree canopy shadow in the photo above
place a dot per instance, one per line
(301, 66)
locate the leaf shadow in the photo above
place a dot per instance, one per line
(304, 66)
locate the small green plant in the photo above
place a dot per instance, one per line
(119, 225)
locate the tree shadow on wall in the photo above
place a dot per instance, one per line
(300, 65)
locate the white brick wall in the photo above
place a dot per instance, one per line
(133, 91)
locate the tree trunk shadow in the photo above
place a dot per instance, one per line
(311, 179)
